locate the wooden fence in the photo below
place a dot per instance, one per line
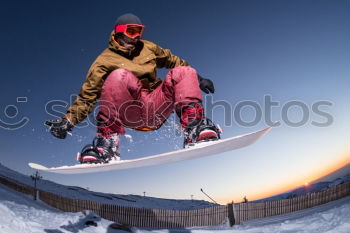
(249, 211)
(158, 218)
(164, 218)
(17, 186)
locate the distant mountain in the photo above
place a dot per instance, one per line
(334, 175)
(338, 177)
(108, 198)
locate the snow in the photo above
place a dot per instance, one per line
(19, 213)
(107, 198)
(129, 138)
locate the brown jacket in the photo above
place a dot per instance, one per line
(143, 63)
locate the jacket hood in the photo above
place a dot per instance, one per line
(115, 46)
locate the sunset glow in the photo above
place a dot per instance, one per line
(293, 183)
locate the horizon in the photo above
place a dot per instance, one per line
(206, 198)
(316, 178)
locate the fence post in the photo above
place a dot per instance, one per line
(230, 214)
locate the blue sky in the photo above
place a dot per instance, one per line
(288, 50)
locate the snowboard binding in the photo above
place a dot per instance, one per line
(102, 150)
(205, 131)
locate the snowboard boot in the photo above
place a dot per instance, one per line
(196, 127)
(102, 150)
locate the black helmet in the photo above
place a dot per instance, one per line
(128, 19)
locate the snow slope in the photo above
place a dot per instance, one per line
(116, 199)
(20, 214)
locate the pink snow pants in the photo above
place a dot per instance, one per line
(124, 103)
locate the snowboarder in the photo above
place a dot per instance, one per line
(123, 78)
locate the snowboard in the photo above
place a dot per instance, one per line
(198, 150)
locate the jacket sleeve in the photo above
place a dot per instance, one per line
(165, 59)
(88, 95)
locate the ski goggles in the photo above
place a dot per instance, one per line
(130, 30)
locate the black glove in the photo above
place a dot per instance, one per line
(59, 128)
(206, 85)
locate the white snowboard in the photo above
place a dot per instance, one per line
(197, 151)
